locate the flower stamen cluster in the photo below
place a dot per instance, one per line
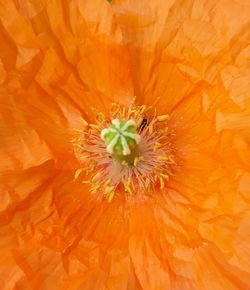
(129, 151)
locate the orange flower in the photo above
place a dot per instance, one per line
(188, 60)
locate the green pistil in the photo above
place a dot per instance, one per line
(121, 140)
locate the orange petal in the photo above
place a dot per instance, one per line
(192, 235)
(177, 46)
(51, 43)
(22, 145)
(49, 60)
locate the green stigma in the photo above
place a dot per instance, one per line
(121, 138)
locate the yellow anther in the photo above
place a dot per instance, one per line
(96, 176)
(171, 160)
(101, 118)
(82, 158)
(124, 163)
(142, 109)
(165, 176)
(115, 109)
(127, 186)
(78, 130)
(138, 123)
(78, 172)
(111, 196)
(94, 189)
(164, 158)
(150, 129)
(79, 146)
(85, 123)
(85, 181)
(136, 160)
(162, 184)
(141, 158)
(162, 118)
(93, 126)
(157, 146)
(108, 189)
(107, 182)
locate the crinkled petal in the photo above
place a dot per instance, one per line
(21, 144)
(180, 239)
(194, 234)
(58, 61)
(181, 46)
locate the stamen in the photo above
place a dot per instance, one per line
(96, 176)
(78, 172)
(150, 129)
(93, 126)
(136, 161)
(165, 176)
(127, 186)
(130, 152)
(85, 123)
(162, 184)
(162, 118)
(139, 121)
(111, 195)
(124, 163)
(163, 158)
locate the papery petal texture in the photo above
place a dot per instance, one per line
(61, 61)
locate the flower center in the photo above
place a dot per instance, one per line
(122, 140)
(129, 152)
